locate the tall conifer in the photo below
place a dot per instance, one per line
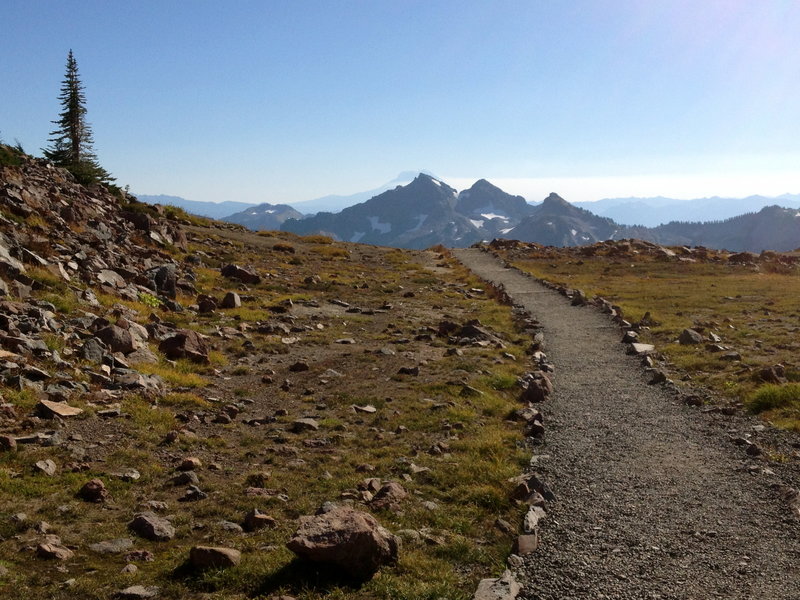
(71, 144)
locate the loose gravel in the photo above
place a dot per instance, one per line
(653, 498)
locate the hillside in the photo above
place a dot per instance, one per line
(214, 210)
(180, 396)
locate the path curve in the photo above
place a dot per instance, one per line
(653, 500)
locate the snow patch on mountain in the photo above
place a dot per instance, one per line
(376, 224)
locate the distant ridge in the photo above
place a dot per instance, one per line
(215, 210)
(659, 210)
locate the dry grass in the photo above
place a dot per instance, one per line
(753, 310)
(467, 481)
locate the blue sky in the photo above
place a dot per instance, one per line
(279, 101)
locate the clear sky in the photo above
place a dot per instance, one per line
(277, 101)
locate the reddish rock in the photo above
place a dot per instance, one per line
(346, 538)
(117, 339)
(185, 344)
(389, 494)
(241, 274)
(537, 387)
(211, 557)
(94, 490)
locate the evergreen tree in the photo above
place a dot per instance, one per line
(71, 144)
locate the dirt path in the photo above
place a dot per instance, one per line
(653, 498)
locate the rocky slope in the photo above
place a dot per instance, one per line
(188, 409)
(556, 222)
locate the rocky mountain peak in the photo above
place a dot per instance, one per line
(555, 201)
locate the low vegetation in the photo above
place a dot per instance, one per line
(354, 316)
(748, 302)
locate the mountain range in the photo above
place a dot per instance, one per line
(426, 211)
(653, 212)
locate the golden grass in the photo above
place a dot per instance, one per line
(753, 311)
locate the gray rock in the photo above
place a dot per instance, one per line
(255, 520)
(640, 349)
(139, 592)
(117, 546)
(503, 588)
(94, 490)
(301, 425)
(48, 467)
(152, 527)
(117, 339)
(241, 274)
(690, 337)
(93, 350)
(231, 300)
(536, 387)
(163, 280)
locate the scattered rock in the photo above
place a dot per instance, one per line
(52, 549)
(526, 544)
(48, 410)
(503, 588)
(185, 344)
(152, 527)
(190, 463)
(347, 538)
(241, 274)
(117, 546)
(689, 337)
(640, 349)
(213, 557)
(255, 520)
(301, 425)
(390, 494)
(139, 592)
(48, 467)
(193, 494)
(94, 490)
(536, 387)
(231, 300)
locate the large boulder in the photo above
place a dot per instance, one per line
(185, 344)
(117, 339)
(347, 538)
(163, 280)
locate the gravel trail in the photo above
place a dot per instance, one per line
(653, 499)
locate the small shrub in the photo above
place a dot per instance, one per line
(10, 157)
(771, 396)
(330, 252)
(317, 239)
(149, 300)
(283, 247)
